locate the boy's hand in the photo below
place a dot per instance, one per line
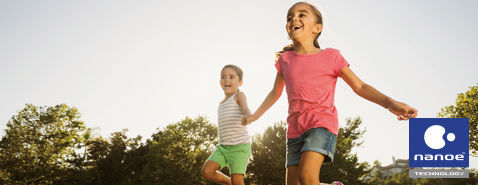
(247, 120)
(403, 111)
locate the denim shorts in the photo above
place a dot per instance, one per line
(319, 140)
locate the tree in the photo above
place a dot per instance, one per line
(377, 163)
(268, 156)
(5, 177)
(472, 179)
(178, 151)
(97, 152)
(399, 179)
(345, 167)
(87, 135)
(80, 171)
(119, 161)
(377, 179)
(135, 160)
(429, 181)
(466, 106)
(39, 144)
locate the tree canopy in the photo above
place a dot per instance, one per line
(51, 145)
(268, 151)
(177, 152)
(39, 144)
(466, 106)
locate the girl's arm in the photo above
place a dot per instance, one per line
(402, 110)
(273, 96)
(241, 100)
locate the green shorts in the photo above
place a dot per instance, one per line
(236, 156)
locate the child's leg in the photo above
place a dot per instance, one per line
(238, 158)
(306, 153)
(210, 172)
(237, 179)
(292, 175)
(309, 167)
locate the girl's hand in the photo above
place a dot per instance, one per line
(247, 120)
(402, 110)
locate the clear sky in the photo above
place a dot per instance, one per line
(142, 65)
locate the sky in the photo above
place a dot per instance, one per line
(142, 65)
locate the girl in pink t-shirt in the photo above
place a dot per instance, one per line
(310, 75)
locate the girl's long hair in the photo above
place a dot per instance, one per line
(318, 16)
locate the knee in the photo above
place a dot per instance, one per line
(206, 173)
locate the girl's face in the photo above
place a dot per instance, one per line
(229, 82)
(301, 23)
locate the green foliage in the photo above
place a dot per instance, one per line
(39, 144)
(345, 167)
(5, 176)
(97, 152)
(269, 156)
(399, 179)
(377, 179)
(377, 163)
(119, 161)
(87, 135)
(466, 106)
(471, 180)
(177, 153)
(429, 181)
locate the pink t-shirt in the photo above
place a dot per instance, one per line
(310, 85)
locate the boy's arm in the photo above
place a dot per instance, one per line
(271, 98)
(402, 110)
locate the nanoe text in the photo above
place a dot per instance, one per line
(448, 157)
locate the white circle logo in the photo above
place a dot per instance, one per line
(450, 137)
(434, 137)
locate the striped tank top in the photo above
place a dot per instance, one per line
(231, 131)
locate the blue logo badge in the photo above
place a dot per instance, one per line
(439, 142)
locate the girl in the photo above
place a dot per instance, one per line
(234, 147)
(309, 75)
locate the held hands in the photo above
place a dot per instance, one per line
(247, 120)
(402, 110)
